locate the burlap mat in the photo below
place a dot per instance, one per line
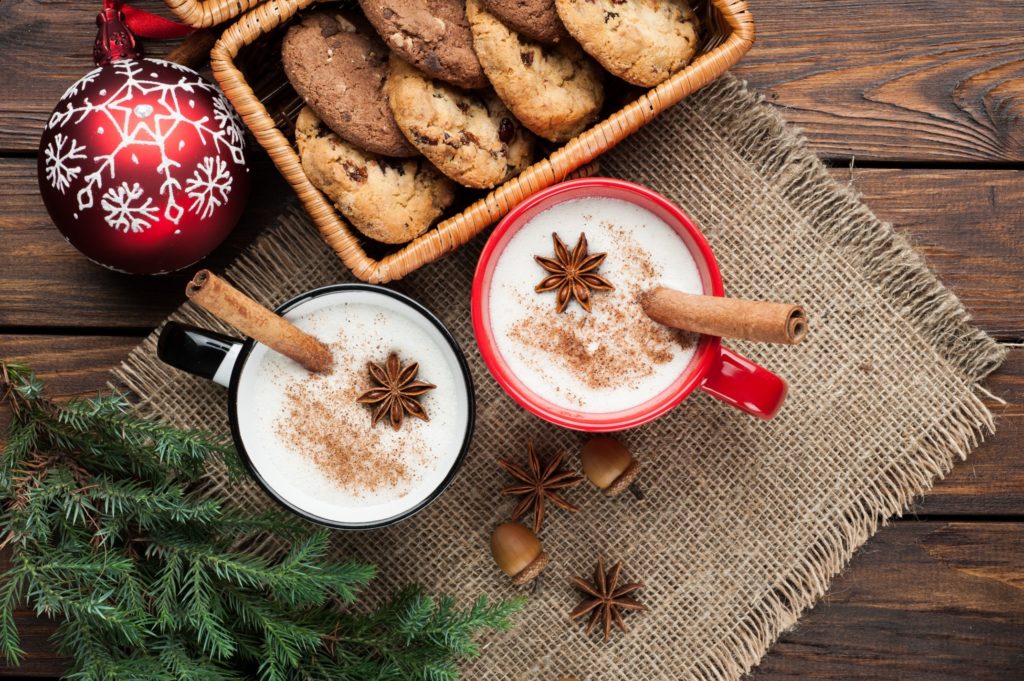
(745, 522)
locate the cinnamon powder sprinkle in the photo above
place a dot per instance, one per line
(323, 422)
(619, 346)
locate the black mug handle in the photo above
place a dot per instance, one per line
(207, 354)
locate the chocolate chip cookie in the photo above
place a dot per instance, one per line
(387, 199)
(554, 91)
(536, 19)
(470, 136)
(641, 41)
(338, 65)
(432, 35)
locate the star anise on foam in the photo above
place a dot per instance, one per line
(541, 483)
(396, 392)
(572, 275)
(605, 600)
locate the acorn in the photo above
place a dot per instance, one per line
(518, 553)
(609, 465)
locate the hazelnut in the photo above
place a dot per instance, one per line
(609, 465)
(517, 552)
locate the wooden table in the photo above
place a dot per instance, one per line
(920, 104)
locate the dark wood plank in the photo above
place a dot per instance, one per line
(45, 47)
(991, 480)
(967, 224)
(922, 80)
(918, 80)
(70, 365)
(921, 601)
(42, 277)
(967, 235)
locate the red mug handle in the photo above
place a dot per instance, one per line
(736, 380)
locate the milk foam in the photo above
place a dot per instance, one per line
(359, 326)
(643, 251)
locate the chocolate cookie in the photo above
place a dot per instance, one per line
(387, 199)
(554, 91)
(338, 65)
(536, 19)
(641, 41)
(470, 136)
(433, 35)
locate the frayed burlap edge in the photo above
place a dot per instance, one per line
(779, 153)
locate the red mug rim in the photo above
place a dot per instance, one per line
(704, 358)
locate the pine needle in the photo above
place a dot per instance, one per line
(109, 536)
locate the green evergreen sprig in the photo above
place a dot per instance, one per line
(152, 581)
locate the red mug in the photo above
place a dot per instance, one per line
(716, 370)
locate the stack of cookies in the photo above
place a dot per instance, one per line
(410, 98)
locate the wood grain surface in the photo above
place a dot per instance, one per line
(915, 80)
(47, 46)
(42, 276)
(926, 96)
(968, 237)
(922, 601)
(967, 223)
(70, 365)
(991, 481)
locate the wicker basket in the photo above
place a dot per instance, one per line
(206, 13)
(728, 32)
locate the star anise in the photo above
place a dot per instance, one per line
(573, 274)
(605, 599)
(396, 392)
(540, 484)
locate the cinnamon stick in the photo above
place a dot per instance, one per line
(227, 303)
(754, 320)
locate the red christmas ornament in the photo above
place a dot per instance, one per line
(142, 163)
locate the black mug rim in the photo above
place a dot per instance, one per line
(248, 344)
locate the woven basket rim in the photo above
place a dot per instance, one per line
(206, 13)
(452, 232)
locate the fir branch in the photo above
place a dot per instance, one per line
(152, 580)
(412, 630)
(205, 612)
(11, 588)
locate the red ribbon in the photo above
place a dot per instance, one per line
(148, 25)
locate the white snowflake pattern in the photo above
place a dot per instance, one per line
(174, 65)
(57, 161)
(227, 119)
(81, 83)
(209, 186)
(172, 103)
(124, 210)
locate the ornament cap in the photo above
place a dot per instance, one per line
(113, 40)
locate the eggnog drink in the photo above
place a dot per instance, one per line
(613, 358)
(312, 443)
